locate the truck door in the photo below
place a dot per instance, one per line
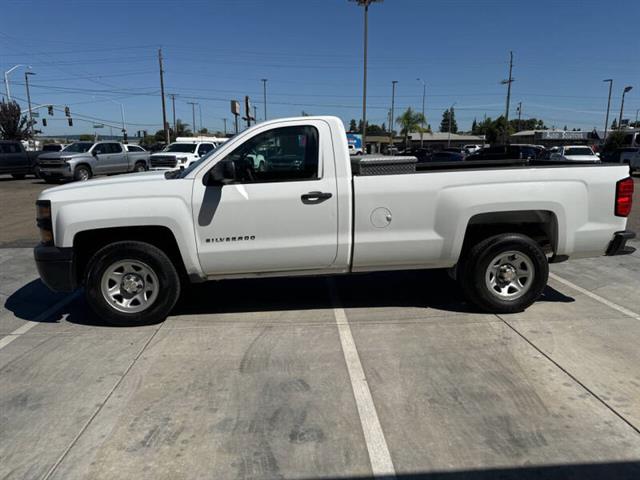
(101, 153)
(283, 218)
(118, 160)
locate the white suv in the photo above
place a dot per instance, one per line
(180, 155)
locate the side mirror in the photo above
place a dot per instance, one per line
(222, 174)
(94, 152)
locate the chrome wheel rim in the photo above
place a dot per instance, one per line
(509, 275)
(83, 174)
(130, 286)
(140, 168)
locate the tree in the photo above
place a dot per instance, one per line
(13, 125)
(353, 126)
(614, 141)
(410, 121)
(182, 130)
(474, 127)
(86, 137)
(203, 131)
(444, 124)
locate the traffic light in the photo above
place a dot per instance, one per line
(71, 122)
(67, 112)
(50, 109)
(44, 122)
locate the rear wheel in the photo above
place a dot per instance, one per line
(140, 167)
(505, 273)
(131, 283)
(82, 173)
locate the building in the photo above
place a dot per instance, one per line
(440, 140)
(556, 138)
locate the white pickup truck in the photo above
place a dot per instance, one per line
(135, 241)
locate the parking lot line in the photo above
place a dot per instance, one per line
(379, 457)
(596, 297)
(29, 324)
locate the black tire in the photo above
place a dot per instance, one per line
(140, 167)
(18, 176)
(167, 276)
(50, 180)
(82, 173)
(473, 271)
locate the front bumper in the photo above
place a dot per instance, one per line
(618, 245)
(56, 267)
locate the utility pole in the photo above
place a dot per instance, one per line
(606, 120)
(165, 125)
(519, 115)
(173, 108)
(508, 83)
(365, 4)
(193, 112)
(225, 126)
(255, 114)
(200, 114)
(391, 122)
(264, 96)
(624, 92)
(424, 95)
(26, 82)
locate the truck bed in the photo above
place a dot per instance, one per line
(397, 165)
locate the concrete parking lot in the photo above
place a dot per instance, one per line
(352, 377)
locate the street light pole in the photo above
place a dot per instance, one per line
(200, 114)
(606, 120)
(6, 79)
(124, 125)
(424, 94)
(264, 96)
(626, 89)
(225, 126)
(26, 82)
(391, 121)
(365, 4)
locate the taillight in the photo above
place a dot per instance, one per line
(624, 197)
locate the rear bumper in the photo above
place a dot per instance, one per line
(56, 267)
(618, 245)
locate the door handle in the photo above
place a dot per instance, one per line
(313, 198)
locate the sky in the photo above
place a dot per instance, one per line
(95, 56)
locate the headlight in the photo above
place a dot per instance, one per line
(43, 221)
(183, 159)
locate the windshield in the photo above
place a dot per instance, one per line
(181, 147)
(578, 151)
(51, 148)
(79, 147)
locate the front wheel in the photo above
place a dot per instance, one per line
(505, 273)
(82, 173)
(140, 167)
(131, 283)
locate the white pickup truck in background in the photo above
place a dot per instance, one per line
(183, 152)
(133, 242)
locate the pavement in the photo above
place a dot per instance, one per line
(389, 375)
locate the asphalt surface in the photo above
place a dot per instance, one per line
(313, 378)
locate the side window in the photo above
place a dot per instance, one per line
(205, 148)
(278, 155)
(101, 148)
(115, 148)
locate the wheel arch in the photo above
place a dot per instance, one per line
(86, 243)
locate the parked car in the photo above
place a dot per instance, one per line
(53, 147)
(445, 156)
(574, 153)
(471, 148)
(507, 152)
(82, 160)
(15, 160)
(353, 150)
(496, 229)
(180, 154)
(628, 155)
